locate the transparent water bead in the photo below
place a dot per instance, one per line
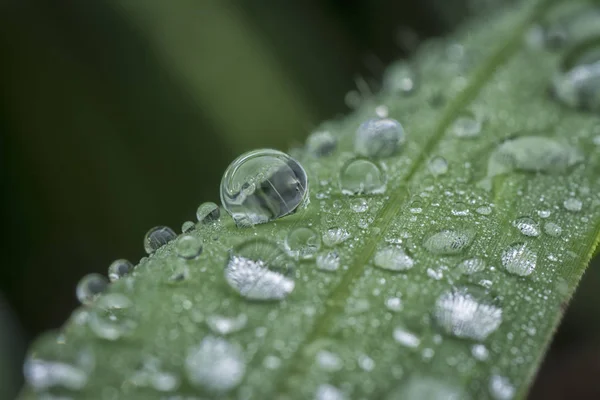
(577, 84)
(329, 361)
(151, 375)
(361, 176)
(393, 258)
(484, 210)
(466, 126)
(399, 78)
(334, 236)
(157, 237)
(519, 259)
(437, 166)
(406, 338)
(258, 270)
(480, 352)
(359, 205)
(467, 313)
(448, 242)
(329, 392)
(89, 287)
(302, 243)
(394, 304)
(113, 317)
(188, 226)
(223, 325)
(552, 229)
(378, 138)
(471, 266)
(118, 269)
(501, 388)
(328, 261)
(208, 212)
(321, 143)
(427, 388)
(528, 226)
(263, 185)
(215, 365)
(572, 204)
(188, 247)
(57, 363)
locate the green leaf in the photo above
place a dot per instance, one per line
(450, 282)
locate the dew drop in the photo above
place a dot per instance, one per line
(572, 204)
(393, 258)
(406, 338)
(528, 226)
(302, 243)
(361, 176)
(215, 365)
(222, 325)
(263, 185)
(466, 126)
(208, 212)
(378, 138)
(118, 269)
(399, 78)
(188, 247)
(427, 388)
(438, 166)
(448, 242)
(55, 362)
(393, 304)
(188, 226)
(484, 210)
(89, 287)
(158, 237)
(518, 259)
(544, 213)
(501, 388)
(113, 316)
(552, 229)
(460, 209)
(366, 363)
(334, 236)
(471, 266)
(329, 392)
(321, 143)
(328, 261)
(329, 361)
(359, 205)
(258, 270)
(151, 375)
(467, 314)
(480, 352)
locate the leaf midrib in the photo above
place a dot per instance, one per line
(384, 218)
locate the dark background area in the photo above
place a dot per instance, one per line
(116, 116)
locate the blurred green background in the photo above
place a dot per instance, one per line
(118, 115)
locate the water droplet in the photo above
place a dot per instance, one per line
(55, 362)
(321, 143)
(222, 325)
(577, 84)
(151, 375)
(329, 361)
(484, 210)
(328, 261)
(208, 212)
(480, 352)
(416, 206)
(544, 213)
(89, 287)
(258, 270)
(519, 259)
(427, 388)
(394, 304)
(359, 205)
(466, 126)
(118, 269)
(471, 266)
(334, 236)
(460, 209)
(399, 78)
(379, 138)
(361, 176)
(435, 274)
(113, 316)
(572, 204)
(448, 242)
(393, 258)
(528, 226)
(406, 338)
(215, 365)
(552, 229)
(302, 243)
(501, 388)
(467, 314)
(158, 237)
(263, 185)
(329, 392)
(188, 226)
(438, 166)
(188, 247)
(366, 363)
(382, 111)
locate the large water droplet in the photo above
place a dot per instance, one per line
(378, 137)
(215, 365)
(466, 126)
(334, 236)
(89, 287)
(263, 185)
(188, 226)
(519, 259)
(471, 266)
(448, 242)
(55, 362)
(467, 314)
(302, 243)
(528, 226)
(118, 269)
(393, 258)
(328, 261)
(113, 316)
(188, 247)
(222, 325)
(552, 229)
(158, 237)
(501, 388)
(321, 143)
(329, 392)
(208, 212)
(258, 270)
(399, 78)
(361, 176)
